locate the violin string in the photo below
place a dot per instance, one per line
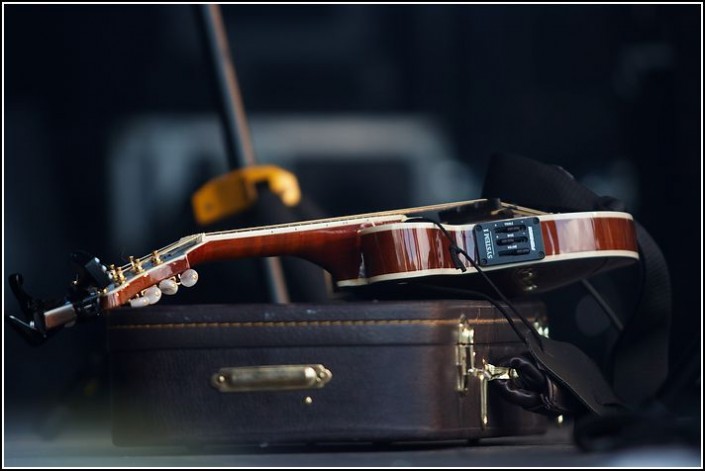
(399, 212)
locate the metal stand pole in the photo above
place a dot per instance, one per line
(237, 132)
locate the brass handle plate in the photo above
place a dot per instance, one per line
(271, 378)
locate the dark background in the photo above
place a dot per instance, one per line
(610, 92)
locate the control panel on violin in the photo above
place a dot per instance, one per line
(521, 249)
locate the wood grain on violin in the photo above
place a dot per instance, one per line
(394, 247)
(520, 249)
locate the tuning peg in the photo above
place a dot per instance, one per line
(156, 259)
(119, 275)
(136, 264)
(169, 286)
(153, 294)
(189, 278)
(140, 301)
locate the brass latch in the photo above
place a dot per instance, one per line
(467, 369)
(271, 378)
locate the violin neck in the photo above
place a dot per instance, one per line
(324, 242)
(333, 243)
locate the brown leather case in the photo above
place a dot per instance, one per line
(302, 373)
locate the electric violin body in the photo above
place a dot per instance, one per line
(521, 250)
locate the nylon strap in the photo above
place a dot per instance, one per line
(640, 355)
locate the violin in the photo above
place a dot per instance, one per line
(520, 249)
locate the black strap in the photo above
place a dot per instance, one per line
(556, 378)
(640, 356)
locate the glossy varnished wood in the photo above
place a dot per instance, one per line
(370, 250)
(417, 248)
(137, 282)
(423, 250)
(336, 249)
(360, 253)
(575, 235)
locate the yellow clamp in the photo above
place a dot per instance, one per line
(236, 191)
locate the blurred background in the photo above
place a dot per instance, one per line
(110, 124)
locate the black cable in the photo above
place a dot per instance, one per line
(468, 292)
(454, 251)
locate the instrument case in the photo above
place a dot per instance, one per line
(382, 372)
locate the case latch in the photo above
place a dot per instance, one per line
(467, 368)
